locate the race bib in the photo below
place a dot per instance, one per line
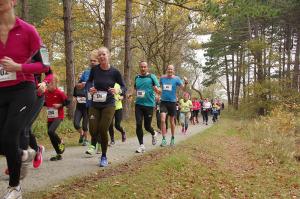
(89, 96)
(100, 96)
(52, 113)
(140, 93)
(81, 100)
(167, 87)
(6, 76)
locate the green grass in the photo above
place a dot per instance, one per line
(220, 163)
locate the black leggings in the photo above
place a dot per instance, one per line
(55, 139)
(205, 116)
(118, 120)
(81, 113)
(27, 137)
(99, 121)
(15, 105)
(145, 112)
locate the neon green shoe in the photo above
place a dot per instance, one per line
(91, 150)
(62, 147)
(98, 148)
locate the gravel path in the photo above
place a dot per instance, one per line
(75, 162)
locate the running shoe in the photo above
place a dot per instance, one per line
(172, 143)
(80, 141)
(141, 149)
(103, 162)
(163, 142)
(85, 142)
(112, 143)
(12, 193)
(38, 159)
(62, 147)
(30, 153)
(123, 137)
(98, 148)
(56, 157)
(154, 138)
(91, 150)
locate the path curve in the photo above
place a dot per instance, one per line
(76, 164)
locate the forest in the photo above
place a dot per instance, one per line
(252, 54)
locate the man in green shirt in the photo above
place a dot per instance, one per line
(146, 85)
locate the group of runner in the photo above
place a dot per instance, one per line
(99, 94)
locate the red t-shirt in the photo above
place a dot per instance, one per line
(55, 97)
(196, 105)
(22, 43)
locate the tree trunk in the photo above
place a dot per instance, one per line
(232, 76)
(297, 61)
(108, 24)
(238, 80)
(127, 61)
(288, 51)
(24, 10)
(70, 73)
(227, 81)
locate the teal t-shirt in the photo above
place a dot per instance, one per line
(145, 94)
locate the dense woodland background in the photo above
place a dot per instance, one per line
(253, 53)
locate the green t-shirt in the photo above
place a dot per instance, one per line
(185, 106)
(145, 94)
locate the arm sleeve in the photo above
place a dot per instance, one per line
(65, 99)
(156, 83)
(34, 46)
(91, 76)
(74, 92)
(179, 82)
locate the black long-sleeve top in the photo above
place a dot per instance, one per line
(103, 80)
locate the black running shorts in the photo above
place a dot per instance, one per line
(168, 107)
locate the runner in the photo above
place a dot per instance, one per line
(19, 42)
(169, 84)
(81, 114)
(206, 109)
(83, 84)
(185, 112)
(118, 117)
(55, 100)
(215, 111)
(103, 76)
(146, 85)
(27, 136)
(196, 109)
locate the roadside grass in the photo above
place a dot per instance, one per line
(222, 162)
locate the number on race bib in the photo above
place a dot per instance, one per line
(140, 93)
(52, 113)
(81, 100)
(167, 87)
(6, 76)
(100, 96)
